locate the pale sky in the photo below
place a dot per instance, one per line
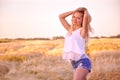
(39, 18)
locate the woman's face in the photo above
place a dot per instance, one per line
(77, 19)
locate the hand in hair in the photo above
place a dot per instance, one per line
(81, 9)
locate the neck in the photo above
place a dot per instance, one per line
(74, 27)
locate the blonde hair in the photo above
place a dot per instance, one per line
(90, 30)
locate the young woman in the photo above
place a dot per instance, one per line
(76, 40)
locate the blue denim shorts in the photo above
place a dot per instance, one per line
(84, 63)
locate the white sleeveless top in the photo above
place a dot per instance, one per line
(74, 46)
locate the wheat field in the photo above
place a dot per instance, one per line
(42, 60)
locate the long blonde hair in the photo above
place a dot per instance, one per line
(90, 29)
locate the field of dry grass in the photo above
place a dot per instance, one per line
(41, 60)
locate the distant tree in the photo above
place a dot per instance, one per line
(117, 36)
(57, 37)
(32, 39)
(112, 36)
(41, 38)
(103, 37)
(4, 40)
(95, 37)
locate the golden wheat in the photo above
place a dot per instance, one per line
(41, 60)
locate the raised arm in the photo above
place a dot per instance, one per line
(86, 21)
(63, 21)
(85, 24)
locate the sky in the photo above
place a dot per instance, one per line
(39, 18)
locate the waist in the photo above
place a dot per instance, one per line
(78, 51)
(74, 56)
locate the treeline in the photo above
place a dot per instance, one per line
(32, 39)
(3, 40)
(53, 38)
(57, 37)
(96, 37)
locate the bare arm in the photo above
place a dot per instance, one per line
(84, 30)
(64, 22)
